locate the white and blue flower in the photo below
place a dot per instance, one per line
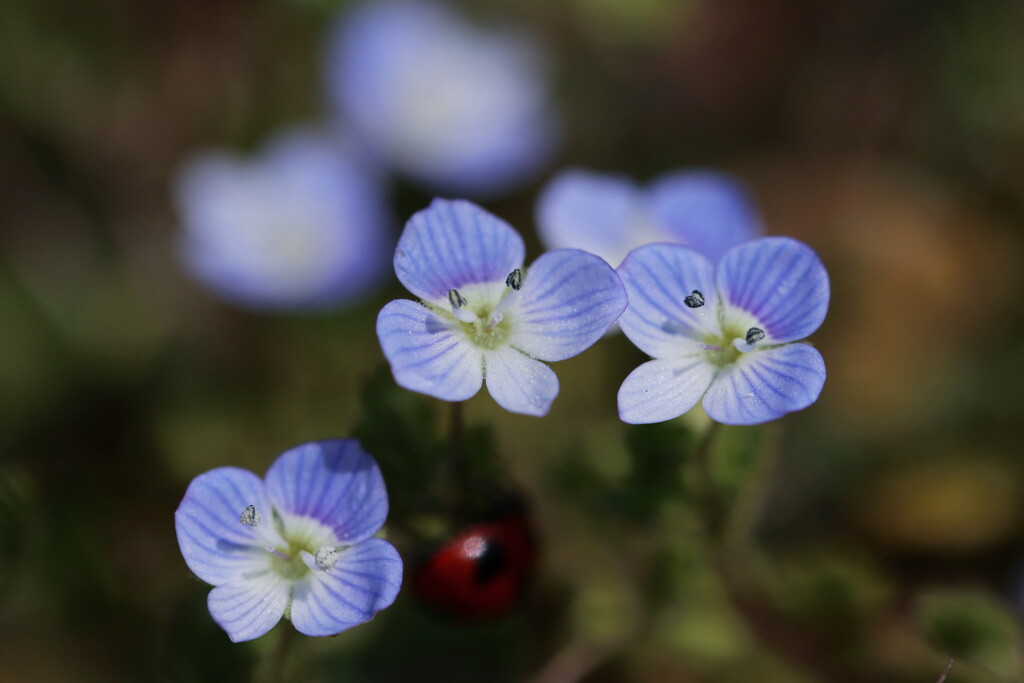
(483, 315)
(298, 544)
(456, 107)
(301, 225)
(728, 335)
(609, 214)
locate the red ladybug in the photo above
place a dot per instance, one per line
(479, 572)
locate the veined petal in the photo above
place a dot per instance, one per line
(335, 482)
(658, 279)
(663, 389)
(365, 580)
(595, 212)
(519, 383)
(708, 211)
(765, 385)
(216, 545)
(568, 300)
(452, 244)
(248, 608)
(780, 282)
(426, 355)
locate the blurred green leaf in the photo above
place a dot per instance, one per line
(972, 625)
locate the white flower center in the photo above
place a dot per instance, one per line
(299, 544)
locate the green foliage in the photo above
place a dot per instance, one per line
(972, 625)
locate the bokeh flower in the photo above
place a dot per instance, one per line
(485, 316)
(297, 544)
(725, 334)
(609, 214)
(301, 225)
(459, 108)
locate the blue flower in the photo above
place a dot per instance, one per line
(458, 108)
(609, 215)
(725, 334)
(302, 225)
(297, 544)
(485, 316)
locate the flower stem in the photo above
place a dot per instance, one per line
(278, 659)
(709, 504)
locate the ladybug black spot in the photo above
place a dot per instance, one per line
(490, 563)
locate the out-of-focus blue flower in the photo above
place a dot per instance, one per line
(723, 333)
(302, 225)
(297, 544)
(609, 215)
(484, 316)
(458, 108)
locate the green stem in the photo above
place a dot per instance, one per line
(279, 657)
(709, 504)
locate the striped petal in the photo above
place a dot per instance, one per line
(215, 544)
(365, 580)
(765, 385)
(334, 482)
(658, 279)
(663, 389)
(452, 244)
(426, 355)
(519, 383)
(569, 298)
(778, 281)
(248, 608)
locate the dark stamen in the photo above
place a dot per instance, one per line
(456, 300)
(250, 516)
(514, 279)
(754, 335)
(694, 300)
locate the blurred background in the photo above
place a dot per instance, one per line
(882, 528)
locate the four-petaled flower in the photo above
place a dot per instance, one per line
(297, 544)
(609, 214)
(485, 316)
(301, 225)
(725, 334)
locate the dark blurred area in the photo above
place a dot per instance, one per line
(887, 526)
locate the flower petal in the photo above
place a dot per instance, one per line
(426, 355)
(300, 225)
(663, 389)
(365, 580)
(594, 212)
(780, 282)
(519, 383)
(569, 298)
(248, 608)
(708, 211)
(765, 385)
(658, 278)
(335, 482)
(452, 244)
(216, 546)
(449, 103)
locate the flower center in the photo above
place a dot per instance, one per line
(485, 322)
(294, 536)
(734, 341)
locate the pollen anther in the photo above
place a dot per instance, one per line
(514, 279)
(694, 300)
(250, 516)
(456, 300)
(754, 335)
(326, 557)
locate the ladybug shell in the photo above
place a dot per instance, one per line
(480, 571)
